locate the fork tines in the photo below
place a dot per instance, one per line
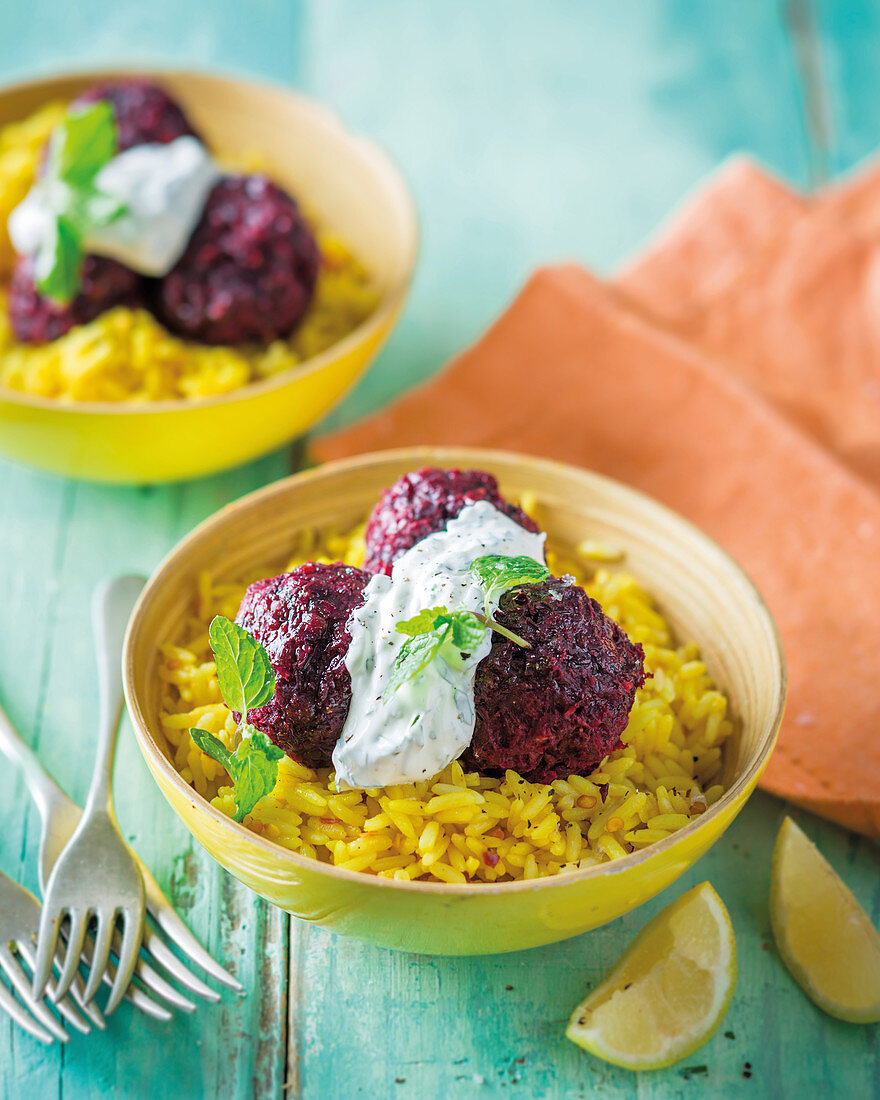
(19, 919)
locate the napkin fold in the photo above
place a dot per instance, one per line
(729, 374)
(856, 199)
(710, 240)
(792, 306)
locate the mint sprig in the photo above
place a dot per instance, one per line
(252, 767)
(434, 632)
(497, 572)
(414, 656)
(246, 680)
(82, 143)
(422, 623)
(439, 633)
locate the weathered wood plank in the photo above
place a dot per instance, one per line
(57, 539)
(800, 19)
(384, 1024)
(849, 36)
(27, 612)
(236, 1047)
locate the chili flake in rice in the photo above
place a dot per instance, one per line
(462, 826)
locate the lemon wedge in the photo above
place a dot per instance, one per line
(824, 936)
(669, 991)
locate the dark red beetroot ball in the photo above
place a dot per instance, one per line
(559, 707)
(420, 503)
(36, 319)
(144, 112)
(249, 270)
(300, 618)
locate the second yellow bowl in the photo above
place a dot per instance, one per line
(353, 189)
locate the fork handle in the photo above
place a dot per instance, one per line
(111, 608)
(43, 788)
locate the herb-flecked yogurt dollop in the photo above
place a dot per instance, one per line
(163, 188)
(414, 732)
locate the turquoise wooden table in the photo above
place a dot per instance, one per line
(529, 132)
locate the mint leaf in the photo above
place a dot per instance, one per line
(102, 209)
(464, 627)
(422, 623)
(88, 208)
(253, 767)
(451, 635)
(246, 680)
(415, 654)
(466, 630)
(497, 572)
(82, 143)
(434, 632)
(80, 146)
(244, 671)
(254, 771)
(212, 746)
(58, 262)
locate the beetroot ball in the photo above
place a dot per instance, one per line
(37, 319)
(145, 114)
(559, 707)
(420, 503)
(300, 619)
(249, 270)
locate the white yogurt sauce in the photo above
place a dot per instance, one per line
(164, 187)
(429, 720)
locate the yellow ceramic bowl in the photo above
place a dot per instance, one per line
(348, 183)
(702, 591)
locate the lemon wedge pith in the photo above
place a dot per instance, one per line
(669, 991)
(824, 936)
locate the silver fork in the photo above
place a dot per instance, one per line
(60, 816)
(19, 921)
(96, 876)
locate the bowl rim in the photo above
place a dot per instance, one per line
(156, 758)
(389, 304)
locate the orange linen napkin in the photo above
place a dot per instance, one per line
(785, 293)
(723, 226)
(856, 199)
(572, 371)
(710, 240)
